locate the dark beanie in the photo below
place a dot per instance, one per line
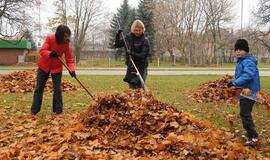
(241, 44)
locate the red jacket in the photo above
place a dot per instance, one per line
(54, 65)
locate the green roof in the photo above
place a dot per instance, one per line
(13, 44)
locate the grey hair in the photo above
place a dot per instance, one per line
(137, 23)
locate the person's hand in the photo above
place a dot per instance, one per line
(72, 74)
(119, 31)
(230, 84)
(54, 54)
(117, 37)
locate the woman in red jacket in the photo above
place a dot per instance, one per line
(48, 64)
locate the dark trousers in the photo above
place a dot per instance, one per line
(42, 78)
(246, 106)
(139, 85)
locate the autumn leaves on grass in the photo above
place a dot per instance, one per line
(129, 125)
(25, 81)
(217, 91)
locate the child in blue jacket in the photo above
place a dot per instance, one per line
(246, 76)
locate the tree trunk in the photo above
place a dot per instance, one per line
(77, 53)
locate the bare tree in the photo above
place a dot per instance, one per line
(217, 13)
(61, 15)
(263, 13)
(177, 23)
(195, 27)
(192, 27)
(82, 16)
(13, 17)
(166, 18)
(86, 13)
(262, 32)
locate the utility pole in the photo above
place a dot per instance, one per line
(39, 23)
(241, 18)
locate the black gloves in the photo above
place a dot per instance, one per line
(54, 54)
(117, 38)
(119, 31)
(118, 34)
(72, 74)
(230, 84)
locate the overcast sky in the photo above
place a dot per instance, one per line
(249, 6)
(47, 10)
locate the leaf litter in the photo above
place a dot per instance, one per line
(218, 91)
(25, 81)
(121, 125)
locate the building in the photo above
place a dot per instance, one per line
(12, 51)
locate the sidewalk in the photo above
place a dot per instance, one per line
(164, 72)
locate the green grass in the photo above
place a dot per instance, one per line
(169, 89)
(104, 63)
(154, 64)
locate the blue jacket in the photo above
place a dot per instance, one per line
(247, 74)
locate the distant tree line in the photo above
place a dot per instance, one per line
(197, 31)
(14, 18)
(82, 16)
(194, 31)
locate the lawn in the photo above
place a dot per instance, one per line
(170, 89)
(164, 65)
(106, 62)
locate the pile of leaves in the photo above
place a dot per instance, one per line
(25, 81)
(129, 125)
(215, 91)
(141, 125)
(264, 99)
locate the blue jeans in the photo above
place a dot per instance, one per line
(246, 106)
(42, 78)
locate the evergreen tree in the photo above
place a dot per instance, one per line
(125, 16)
(132, 17)
(113, 30)
(28, 36)
(145, 14)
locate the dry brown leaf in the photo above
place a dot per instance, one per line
(25, 81)
(113, 128)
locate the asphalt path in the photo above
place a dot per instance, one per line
(151, 72)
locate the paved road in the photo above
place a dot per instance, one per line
(151, 72)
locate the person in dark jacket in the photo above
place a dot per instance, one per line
(138, 49)
(246, 76)
(54, 47)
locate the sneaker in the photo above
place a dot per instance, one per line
(251, 142)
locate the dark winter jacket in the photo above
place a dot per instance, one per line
(139, 48)
(247, 74)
